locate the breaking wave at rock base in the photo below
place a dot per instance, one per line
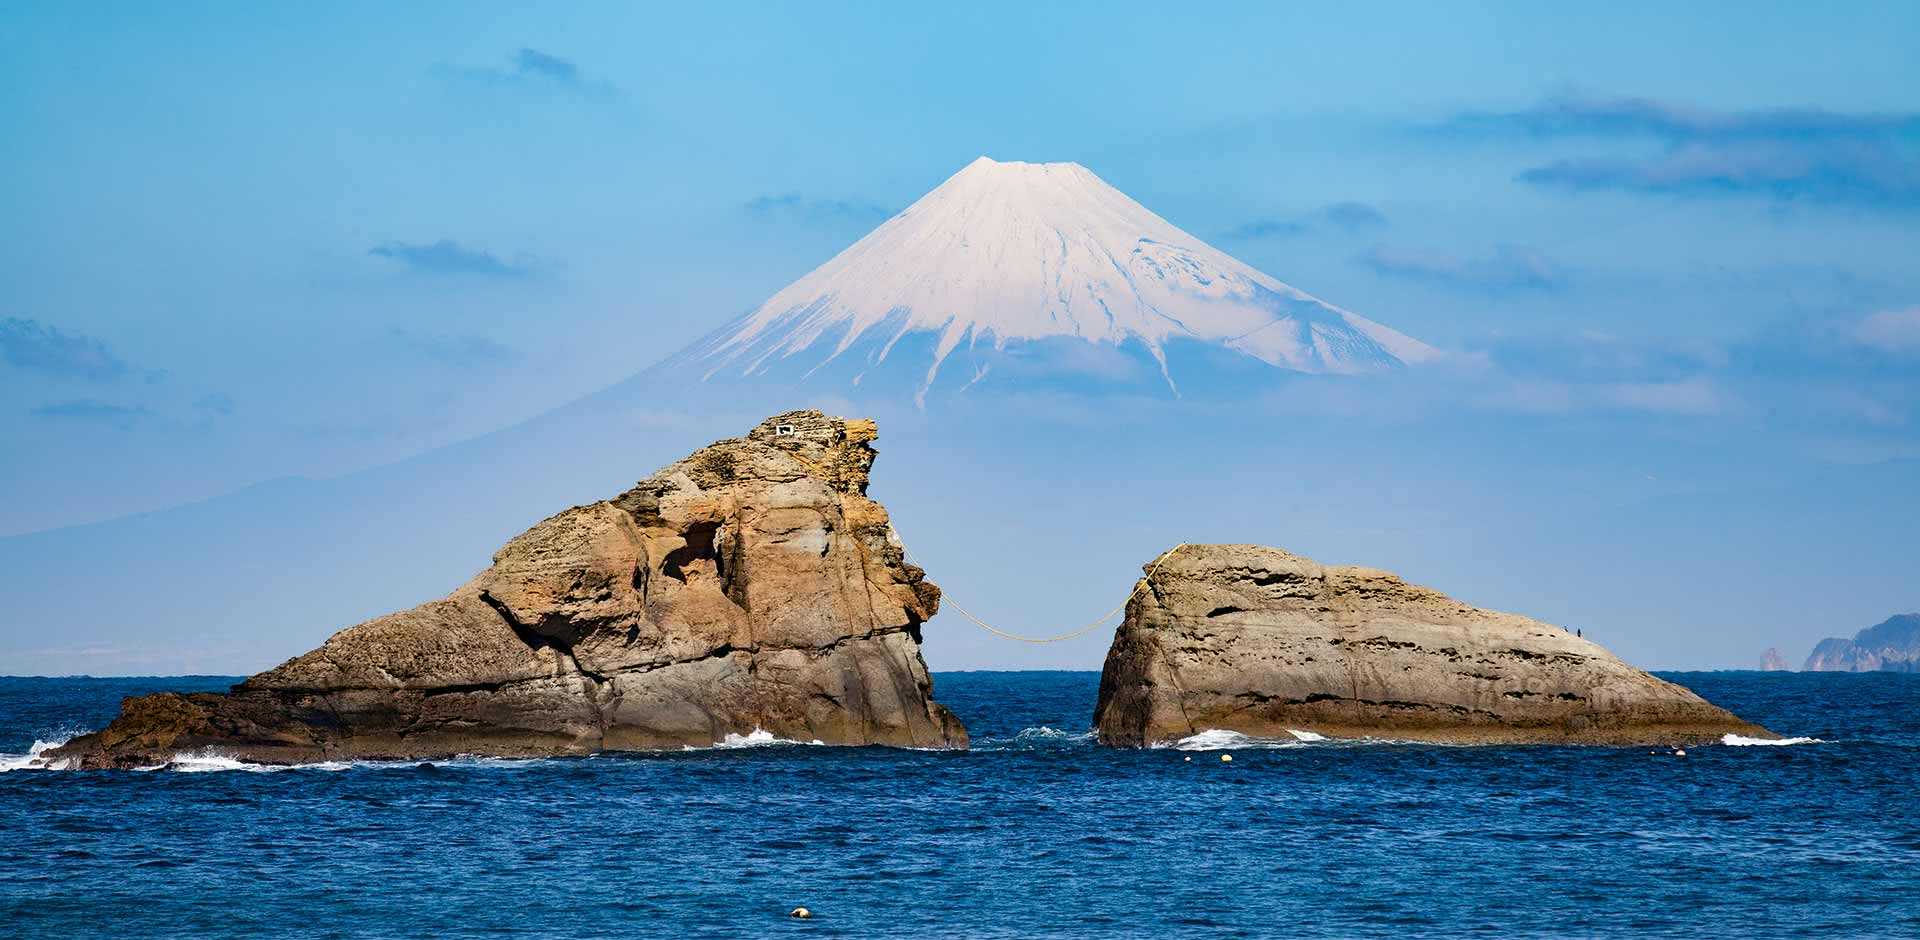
(34, 758)
(1736, 740)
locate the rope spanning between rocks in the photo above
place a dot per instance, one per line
(1078, 631)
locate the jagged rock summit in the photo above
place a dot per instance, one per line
(1255, 640)
(752, 586)
(1892, 645)
(1049, 258)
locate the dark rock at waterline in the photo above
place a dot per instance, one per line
(750, 586)
(1259, 641)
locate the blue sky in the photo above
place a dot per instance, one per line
(240, 243)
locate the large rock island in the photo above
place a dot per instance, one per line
(751, 586)
(1259, 641)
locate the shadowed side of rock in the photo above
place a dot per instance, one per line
(1259, 641)
(750, 586)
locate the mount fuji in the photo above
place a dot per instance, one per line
(1041, 266)
(952, 323)
(1010, 282)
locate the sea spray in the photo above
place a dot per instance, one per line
(758, 737)
(1736, 740)
(1220, 740)
(34, 758)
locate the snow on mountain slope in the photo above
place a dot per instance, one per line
(1003, 253)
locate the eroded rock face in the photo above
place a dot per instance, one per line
(1259, 641)
(751, 586)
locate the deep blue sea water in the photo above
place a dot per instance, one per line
(1036, 832)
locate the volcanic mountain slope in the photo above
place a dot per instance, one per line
(1033, 280)
(1040, 254)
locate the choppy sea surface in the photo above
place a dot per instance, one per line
(1036, 832)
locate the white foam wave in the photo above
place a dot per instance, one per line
(1307, 736)
(1219, 740)
(1737, 740)
(214, 762)
(1045, 736)
(1048, 733)
(1040, 737)
(758, 737)
(211, 763)
(35, 758)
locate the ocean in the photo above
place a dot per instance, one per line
(1036, 832)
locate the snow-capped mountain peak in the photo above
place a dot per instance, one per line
(1008, 253)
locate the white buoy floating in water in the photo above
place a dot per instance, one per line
(1226, 758)
(800, 913)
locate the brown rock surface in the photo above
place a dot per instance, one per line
(751, 586)
(1259, 641)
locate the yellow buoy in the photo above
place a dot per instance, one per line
(1226, 758)
(801, 913)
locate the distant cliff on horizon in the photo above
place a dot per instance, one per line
(1893, 645)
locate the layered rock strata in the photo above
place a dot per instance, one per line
(1256, 640)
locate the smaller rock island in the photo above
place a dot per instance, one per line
(1259, 641)
(752, 586)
